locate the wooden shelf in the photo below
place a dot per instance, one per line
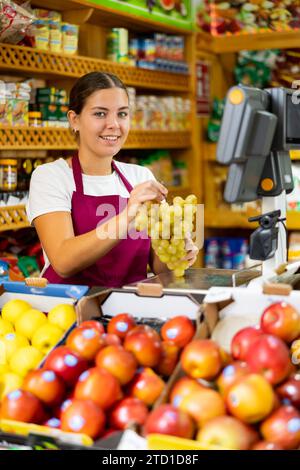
(54, 138)
(229, 219)
(27, 59)
(250, 41)
(210, 151)
(13, 218)
(104, 16)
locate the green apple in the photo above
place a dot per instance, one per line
(46, 337)
(13, 309)
(29, 322)
(63, 316)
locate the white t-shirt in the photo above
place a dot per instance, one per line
(52, 186)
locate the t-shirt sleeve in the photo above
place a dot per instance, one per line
(48, 192)
(148, 175)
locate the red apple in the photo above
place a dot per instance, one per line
(66, 364)
(121, 324)
(127, 412)
(86, 342)
(145, 344)
(201, 359)
(283, 427)
(83, 416)
(120, 363)
(185, 386)
(45, 385)
(230, 375)
(94, 324)
(168, 359)
(282, 320)
(20, 405)
(98, 385)
(228, 433)
(180, 330)
(147, 386)
(241, 341)
(289, 392)
(250, 399)
(269, 356)
(166, 419)
(203, 405)
(111, 339)
(266, 445)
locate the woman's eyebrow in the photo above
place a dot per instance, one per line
(106, 109)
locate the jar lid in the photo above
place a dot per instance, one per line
(35, 114)
(4, 161)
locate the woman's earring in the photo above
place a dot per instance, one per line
(75, 131)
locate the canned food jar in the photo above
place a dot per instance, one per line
(8, 174)
(35, 119)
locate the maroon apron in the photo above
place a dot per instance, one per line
(127, 261)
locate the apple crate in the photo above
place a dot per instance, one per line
(147, 303)
(225, 311)
(228, 310)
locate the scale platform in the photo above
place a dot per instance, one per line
(199, 280)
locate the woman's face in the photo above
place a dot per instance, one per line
(103, 123)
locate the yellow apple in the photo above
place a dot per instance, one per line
(29, 322)
(5, 327)
(25, 359)
(46, 337)
(63, 316)
(3, 369)
(13, 309)
(9, 382)
(12, 342)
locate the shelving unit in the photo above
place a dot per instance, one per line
(29, 60)
(220, 52)
(13, 217)
(263, 39)
(55, 138)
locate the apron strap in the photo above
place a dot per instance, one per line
(122, 177)
(77, 174)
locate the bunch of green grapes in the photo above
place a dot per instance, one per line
(168, 226)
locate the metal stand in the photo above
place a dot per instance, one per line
(270, 204)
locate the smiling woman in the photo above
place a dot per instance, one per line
(70, 200)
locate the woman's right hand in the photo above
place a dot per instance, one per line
(149, 191)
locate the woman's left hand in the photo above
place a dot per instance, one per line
(191, 249)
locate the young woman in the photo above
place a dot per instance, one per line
(82, 207)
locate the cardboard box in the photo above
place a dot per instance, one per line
(240, 307)
(147, 303)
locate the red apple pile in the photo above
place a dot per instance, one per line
(100, 380)
(252, 402)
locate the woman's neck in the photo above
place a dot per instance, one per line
(92, 164)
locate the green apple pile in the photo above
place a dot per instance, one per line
(248, 399)
(168, 226)
(26, 336)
